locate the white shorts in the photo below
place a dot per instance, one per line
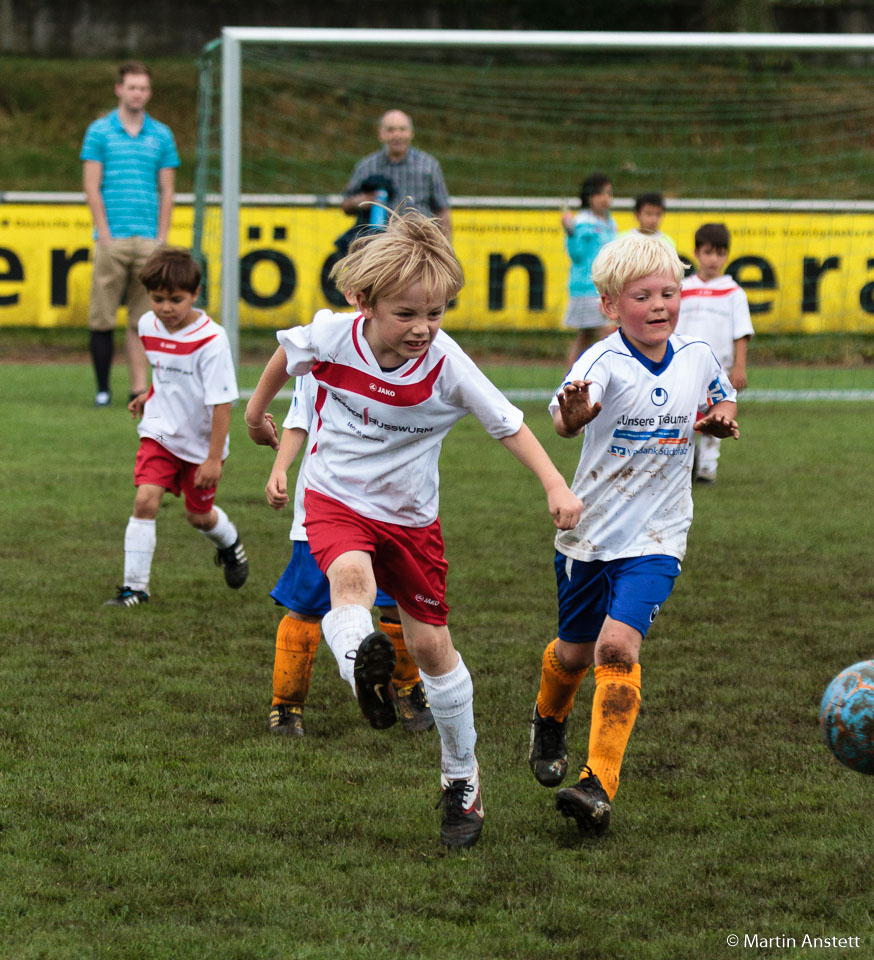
(584, 313)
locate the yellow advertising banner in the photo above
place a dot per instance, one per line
(803, 272)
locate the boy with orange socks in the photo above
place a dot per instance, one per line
(635, 397)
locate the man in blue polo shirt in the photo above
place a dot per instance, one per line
(130, 163)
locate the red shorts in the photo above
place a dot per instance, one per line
(408, 562)
(155, 464)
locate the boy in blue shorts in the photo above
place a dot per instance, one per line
(635, 397)
(303, 590)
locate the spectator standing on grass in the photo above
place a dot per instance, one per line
(410, 172)
(587, 231)
(129, 166)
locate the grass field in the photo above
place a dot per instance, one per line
(145, 814)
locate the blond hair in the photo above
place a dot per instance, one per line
(632, 257)
(412, 249)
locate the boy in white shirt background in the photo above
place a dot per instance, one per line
(185, 419)
(715, 309)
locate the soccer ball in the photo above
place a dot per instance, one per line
(846, 716)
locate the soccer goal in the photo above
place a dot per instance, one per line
(772, 135)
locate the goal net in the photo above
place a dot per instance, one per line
(772, 135)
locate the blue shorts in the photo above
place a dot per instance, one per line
(630, 590)
(304, 589)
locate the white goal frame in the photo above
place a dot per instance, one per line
(233, 38)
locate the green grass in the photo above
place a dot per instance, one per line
(145, 813)
(485, 115)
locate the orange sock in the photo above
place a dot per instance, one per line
(406, 673)
(296, 642)
(557, 686)
(614, 710)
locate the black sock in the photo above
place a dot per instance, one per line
(102, 347)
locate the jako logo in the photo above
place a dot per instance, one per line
(374, 388)
(659, 396)
(421, 599)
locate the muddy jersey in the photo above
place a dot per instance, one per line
(716, 311)
(634, 474)
(378, 432)
(192, 371)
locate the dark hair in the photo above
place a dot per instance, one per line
(135, 67)
(654, 199)
(714, 235)
(593, 184)
(171, 268)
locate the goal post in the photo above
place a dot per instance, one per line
(768, 132)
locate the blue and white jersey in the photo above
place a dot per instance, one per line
(635, 471)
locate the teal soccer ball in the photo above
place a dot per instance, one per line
(846, 716)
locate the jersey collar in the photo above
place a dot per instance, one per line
(654, 367)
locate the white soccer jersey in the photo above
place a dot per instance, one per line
(634, 474)
(192, 371)
(378, 433)
(716, 311)
(300, 417)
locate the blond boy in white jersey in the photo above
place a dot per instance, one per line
(390, 386)
(636, 394)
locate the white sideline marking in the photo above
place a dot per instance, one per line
(748, 396)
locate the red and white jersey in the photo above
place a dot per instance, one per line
(300, 417)
(635, 471)
(192, 371)
(715, 311)
(378, 432)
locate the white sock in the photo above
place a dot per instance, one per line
(224, 533)
(139, 547)
(451, 699)
(344, 629)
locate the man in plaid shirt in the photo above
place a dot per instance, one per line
(412, 173)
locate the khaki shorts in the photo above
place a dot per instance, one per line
(117, 267)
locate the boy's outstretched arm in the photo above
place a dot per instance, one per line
(719, 421)
(277, 484)
(563, 505)
(262, 429)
